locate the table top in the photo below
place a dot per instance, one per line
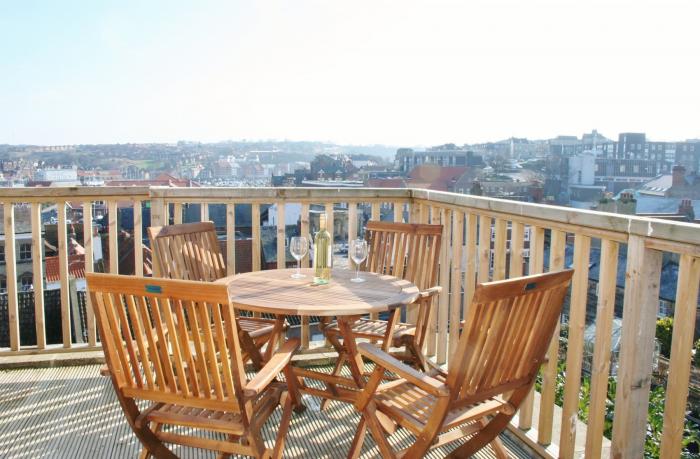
(274, 291)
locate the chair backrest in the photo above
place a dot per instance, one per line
(405, 250)
(508, 329)
(170, 341)
(189, 251)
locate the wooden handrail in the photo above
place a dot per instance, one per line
(483, 239)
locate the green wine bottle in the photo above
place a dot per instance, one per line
(323, 254)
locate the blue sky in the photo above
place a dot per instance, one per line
(400, 73)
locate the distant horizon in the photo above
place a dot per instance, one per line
(370, 72)
(330, 142)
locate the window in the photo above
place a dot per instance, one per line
(26, 281)
(3, 284)
(25, 251)
(635, 168)
(2, 254)
(622, 168)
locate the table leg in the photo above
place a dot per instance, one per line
(354, 359)
(390, 324)
(276, 334)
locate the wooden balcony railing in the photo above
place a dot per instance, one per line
(486, 239)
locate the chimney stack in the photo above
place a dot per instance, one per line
(686, 208)
(678, 176)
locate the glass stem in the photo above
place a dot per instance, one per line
(357, 274)
(298, 267)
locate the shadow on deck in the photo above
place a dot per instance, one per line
(72, 412)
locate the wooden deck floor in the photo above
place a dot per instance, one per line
(72, 412)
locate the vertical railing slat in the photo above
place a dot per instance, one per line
(113, 242)
(38, 275)
(376, 211)
(352, 228)
(681, 352)
(574, 349)
(451, 266)
(89, 267)
(639, 310)
(177, 213)
(437, 218)
(281, 237)
(11, 272)
(557, 259)
(255, 233)
(517, 243)
(600, 368)
(138, 237)
(66, 312)
(305, 231)
(230, 238)
(535, 266)
(457, 281)
(499, 248)
(470, 269)
(376, 216)
(398, 211)
(204, 211)
(484, 248)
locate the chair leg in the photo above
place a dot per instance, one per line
(499, 449)
(151, 443)
(377, 432)
(336, 372)
(248, 346)
(486, 435)
(359, 439)
(418, 357)
(283, 427)
(293, 389)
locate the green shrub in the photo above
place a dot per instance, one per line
(664, 333)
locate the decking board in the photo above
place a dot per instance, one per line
(72, 412)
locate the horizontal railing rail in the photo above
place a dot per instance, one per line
(485, 239)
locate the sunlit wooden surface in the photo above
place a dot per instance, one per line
(72, 412)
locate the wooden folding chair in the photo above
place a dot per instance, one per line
(175, 344)
(190, 251)
(411, 252)
(508, 329)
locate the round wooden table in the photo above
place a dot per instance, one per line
(276, 292)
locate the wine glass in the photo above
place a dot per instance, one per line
(298, 247)
(358, 253)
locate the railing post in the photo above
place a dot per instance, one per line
(10, 263)
(230, 239)
(38, 275)
(641, 303)
(157, 210)
(681, 352)
(64, 274)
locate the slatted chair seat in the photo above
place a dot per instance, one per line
(187, 416)
(190, 251)
(376, 329)
(173, 347)
(256, 327)
(412, 407)
(507, 332)
(215, 420)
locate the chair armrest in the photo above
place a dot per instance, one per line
(432, 291)
(272, 368)
(386, 361)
